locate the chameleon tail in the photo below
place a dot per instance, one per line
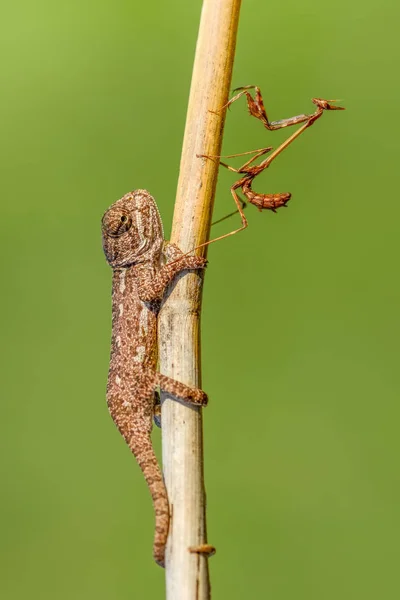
(142, 448)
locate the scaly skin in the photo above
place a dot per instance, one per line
(134, 246)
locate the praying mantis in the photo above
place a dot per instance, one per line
(249, 171)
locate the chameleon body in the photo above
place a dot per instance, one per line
(134, 246)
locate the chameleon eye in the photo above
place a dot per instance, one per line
(115, 223)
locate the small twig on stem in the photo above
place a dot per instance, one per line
(187, 575)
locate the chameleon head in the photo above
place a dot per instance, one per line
(132, 230)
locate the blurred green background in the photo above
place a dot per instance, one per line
(300, 325)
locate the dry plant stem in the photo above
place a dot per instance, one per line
(187, 575)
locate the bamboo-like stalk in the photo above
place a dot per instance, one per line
(187, 576)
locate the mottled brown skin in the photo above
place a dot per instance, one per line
(134, 246)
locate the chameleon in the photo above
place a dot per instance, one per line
(143, 266)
